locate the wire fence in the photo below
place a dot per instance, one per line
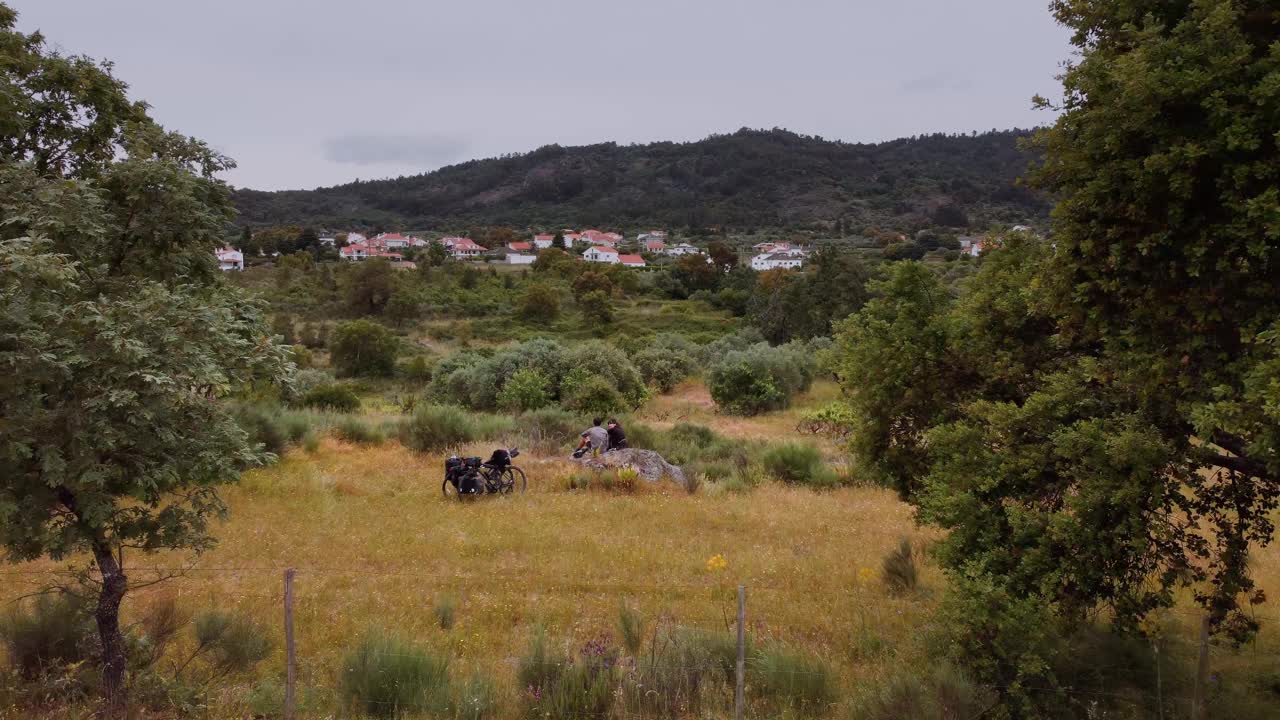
(793, 653)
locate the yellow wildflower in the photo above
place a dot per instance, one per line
(716, 563)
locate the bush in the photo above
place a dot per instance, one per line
(335, 397)
(557, 688)
(631, 625)
(666, 361)
(362, 347)
(669, 681)
(55, 632)
(229, 643)
(264, 427)
(417, 368)
(435, 427)
(942, 693)
(797, 464)
(526, 389)
(540, 302)
(385, 677)
(596, 396)
(792, 680)
(355, 430)
(304, 381)
(760, 378)
(899, 568)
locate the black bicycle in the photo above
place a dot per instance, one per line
(465, 477)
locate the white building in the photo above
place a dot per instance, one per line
(229, 258)
(632, 260)
(601, 254)
(328, 241)
(543, 241)
(521, 259)
(658, 235)
(461, 247)
(777, 261)
(683, 249)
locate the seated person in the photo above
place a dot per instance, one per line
(617, 437)
(594, 438)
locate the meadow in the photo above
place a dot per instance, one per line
(378, 550)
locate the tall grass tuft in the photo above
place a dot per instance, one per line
(476, 699)
(555, 687)
(793, 680)
(385, 677)
(436, 427)
(942, 693)
(670, 680)
(899, 568)
(230, 643)
(445, 610)
(354, 430)
(631, 626)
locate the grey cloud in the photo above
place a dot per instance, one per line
(423, 150)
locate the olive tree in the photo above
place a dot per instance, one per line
(119, 342)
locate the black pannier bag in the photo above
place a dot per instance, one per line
(463, 473)
(500, 459)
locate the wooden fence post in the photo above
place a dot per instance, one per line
(1202, 672)
(290, 657)
(740, 686)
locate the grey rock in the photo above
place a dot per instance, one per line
(649, 465)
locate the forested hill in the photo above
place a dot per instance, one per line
(749, 179)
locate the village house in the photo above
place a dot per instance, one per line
(631, 260)
(658, 235)
(229, 258)
(654, 246)
(778, 261)
(601, 254)
(543, 241)
(356, 239)
(360, 252)
(521, 259)
(683, 249)
(328, 241)
(595, 237)
(461, 247)
(523, 247)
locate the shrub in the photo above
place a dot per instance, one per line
(631, 625)
(540, 302)
(899, 568)
(335, 397)
(793, 680)
(670, 679)
(760, 378)
(599, 359)
(798, 464)
(264, 427)
(942, 693)
(55, 632)
(229, 643)
(296, 425)
(595, 395)
(835, 420)
(555, 687)
(417, 368)
(385, 677)
(311, 441)
(304, 381)
(665, 361)
(362, 347)
(550, 428)
(435, 427)
(445, 610)
(355, 430)
(527, 389)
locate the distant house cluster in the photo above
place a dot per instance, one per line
(778, 256)
(384, 245)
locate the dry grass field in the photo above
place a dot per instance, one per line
(377, 547)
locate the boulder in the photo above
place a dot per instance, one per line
(649, 465)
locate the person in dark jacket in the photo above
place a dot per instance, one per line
(617, 436)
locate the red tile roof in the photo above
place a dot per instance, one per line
(520, 246)
(631, 259)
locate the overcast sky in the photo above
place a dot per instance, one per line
(318, 92)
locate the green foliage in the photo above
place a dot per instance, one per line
(940, 693)
(550, 428)
(540, 302)
(370, 285)
(526, 389)
(386, 677)
(229, 643)
(799, 464)
(800, 305)
(631, 627)
(898, 569)
(835, 420)
(435, 427)
(361, 347)
(672, 677)
(46, 635)
(760, 378)
(666, 361)
(264, 428)
(355, 430)
(476, 699)
(556, 687)
(597, 307)
(793, 680)
(335, 397)
(594, 395)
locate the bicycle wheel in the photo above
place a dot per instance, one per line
(450, 492)
(513, 480)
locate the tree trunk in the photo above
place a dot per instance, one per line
(107, 614)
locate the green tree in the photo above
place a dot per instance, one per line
(558, 241)
(437, 254)
(370, 285)
(362, 347)
(596, 307)
(120, 341)
(282, 325)
(526, 389)
(540, 302)
(592, 281)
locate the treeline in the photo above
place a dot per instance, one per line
(749, 179)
